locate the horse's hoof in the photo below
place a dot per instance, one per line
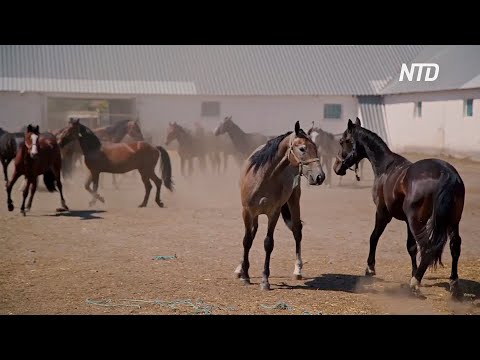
(142, 205)
(370, 272)
(91, 203)
(101, 199)
(61, 209)
(237, 275)
(23, 212)
(10, 207)
(297, 277)
(245, 281)
(265, 286)
(159, 203)
(455, 291)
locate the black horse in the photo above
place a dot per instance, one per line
(428, 195)
(9, 143)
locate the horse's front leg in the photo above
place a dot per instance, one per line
(25, 194)
(382, 218)
(93, 178)
(32, 193)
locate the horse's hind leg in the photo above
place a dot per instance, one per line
(10, 185)
(412, 249)
(158, 183)
(249, 222)
(455, 249)
(268, 245)
(148, 187)
(25, 194)
(5, 163)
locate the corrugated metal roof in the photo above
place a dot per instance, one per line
(373, 117)
(459, 68)
(202, 69)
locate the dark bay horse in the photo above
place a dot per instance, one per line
(270, 185)
(190, 146)
(428, 195)
(218, 148)
(39, 154)
(328, 148)
(119, 158)
(9, 143)
(245, 143)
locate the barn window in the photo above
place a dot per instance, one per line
(332, 111)
(418, 109)
(210, 108)
(468, 108)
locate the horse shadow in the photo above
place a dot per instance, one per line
(338, 282)
(470, 288)
(82, 214)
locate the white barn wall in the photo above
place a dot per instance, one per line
(270, 115)
(17, 110)
(442, 129)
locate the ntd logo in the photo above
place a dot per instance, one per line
(420, 66)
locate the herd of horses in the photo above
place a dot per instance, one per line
(427, 195)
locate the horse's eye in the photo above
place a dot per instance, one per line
(302, 149)
(341, 141)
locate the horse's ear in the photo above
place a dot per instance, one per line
(297, 128)
(358, 122)
(29, 128)
(37, 128)
(311, 129)
(350, 125)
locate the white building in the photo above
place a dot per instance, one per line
(264, 88)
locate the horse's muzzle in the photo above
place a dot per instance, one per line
(337, 168)
(316, 180)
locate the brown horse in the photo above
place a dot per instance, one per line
(38, 154)
(190, 146)
(119, 158)
(116, 133)
(270, 185)
(428, 195)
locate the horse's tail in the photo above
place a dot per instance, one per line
(49, 180)
(287, 216)
(436, 230)
(166, 168)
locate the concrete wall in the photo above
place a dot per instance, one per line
(270, 115)
(442, 129)
(17, 110)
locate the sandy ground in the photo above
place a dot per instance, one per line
(101, 260)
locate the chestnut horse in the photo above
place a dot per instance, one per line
(270, 185)
(119, 158)
(428, 195)
(38, 154)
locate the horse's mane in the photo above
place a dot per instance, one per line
(93, 142)
(325, 133)
(112, 129)
(368, 137)
(267, 153)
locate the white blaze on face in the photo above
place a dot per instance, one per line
(34, 150)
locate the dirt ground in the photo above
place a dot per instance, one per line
(102, 260)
